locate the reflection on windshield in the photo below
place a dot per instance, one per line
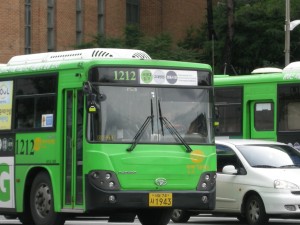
(271, 156)
(125, 109)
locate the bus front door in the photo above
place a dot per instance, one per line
(73, 133)
(262, 123)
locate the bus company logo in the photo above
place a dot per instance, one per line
(197, 156)
(147, 76)
(159, 77)
(40, 143)
(160, 181)
(172, 77)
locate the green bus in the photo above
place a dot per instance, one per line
(260, 106)
(105, 132)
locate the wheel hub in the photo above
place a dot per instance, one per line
(254, 211)
(43, 201)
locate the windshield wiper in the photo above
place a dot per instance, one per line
(264, 166)
(161, 118)
(142, 129)
(171, 128)
(290, 166)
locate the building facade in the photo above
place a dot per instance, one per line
(34, 26)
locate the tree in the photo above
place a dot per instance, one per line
(158, 47)
(229, 35)
(258, 37)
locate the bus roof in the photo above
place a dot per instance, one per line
(254, 79)
(78, 55)
(53, 61)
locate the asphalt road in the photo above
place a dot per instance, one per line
(203, 220)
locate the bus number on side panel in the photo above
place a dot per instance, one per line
(25, 147)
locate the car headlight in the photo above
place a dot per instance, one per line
(282, 184)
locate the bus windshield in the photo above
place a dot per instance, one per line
(122, 111)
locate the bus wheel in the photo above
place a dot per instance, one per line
(42, 202)
(180, 216)
(155, 216)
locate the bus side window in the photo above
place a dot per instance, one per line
(226, 156)
(25, 113)
(44, 106)
(229, 107)
(35, 99)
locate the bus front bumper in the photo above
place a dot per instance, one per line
(98, 199)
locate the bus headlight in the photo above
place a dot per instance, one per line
(104, 179)
(207, 181)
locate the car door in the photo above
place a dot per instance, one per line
(229, 185)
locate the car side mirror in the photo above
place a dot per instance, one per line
(229, 169)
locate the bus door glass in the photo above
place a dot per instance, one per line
(262, 123)
(73, 133)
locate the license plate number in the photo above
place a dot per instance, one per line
(160, 199)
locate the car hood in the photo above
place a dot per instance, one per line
(290, 174)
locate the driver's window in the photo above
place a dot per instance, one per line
(225, 157)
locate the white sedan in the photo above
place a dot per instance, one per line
(256, 180)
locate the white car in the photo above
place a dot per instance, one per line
(256, 180)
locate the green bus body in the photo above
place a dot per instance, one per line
(56, 145)
(259, 106)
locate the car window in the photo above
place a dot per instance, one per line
(270, 156)
(226, 156)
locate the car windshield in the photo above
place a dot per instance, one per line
(125, 114)
(271, 156)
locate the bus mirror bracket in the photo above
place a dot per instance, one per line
(87, 88)
(91, 97)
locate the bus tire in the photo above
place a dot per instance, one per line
(155, 216)
(42, 202)
(180, 216)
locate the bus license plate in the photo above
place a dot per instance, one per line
(160, 199)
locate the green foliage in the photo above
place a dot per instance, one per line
(103, 42)
(158, 47)
(100, 41)
(259, 34)
(133, 36)
(258, 38)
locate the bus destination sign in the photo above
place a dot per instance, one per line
(144, 76)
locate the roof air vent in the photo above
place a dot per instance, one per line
(78, 55)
